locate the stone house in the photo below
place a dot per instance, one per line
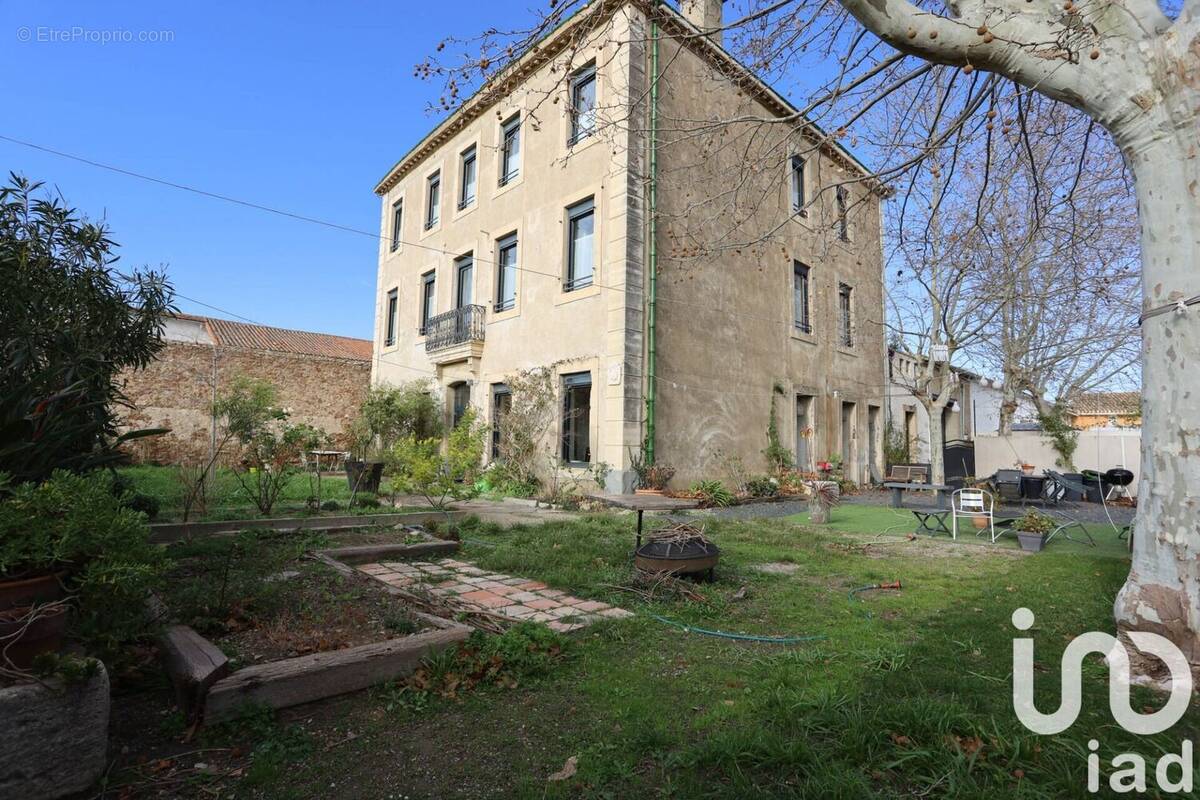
(685, 288)
(322, 380)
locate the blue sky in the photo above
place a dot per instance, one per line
(301, 106)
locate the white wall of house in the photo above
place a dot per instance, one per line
(986, 399)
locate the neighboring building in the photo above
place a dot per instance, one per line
(515, 236)
(908, 415)
(987, 398)
(1106, 410)
(321, 379)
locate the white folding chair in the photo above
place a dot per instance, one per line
(973, 504)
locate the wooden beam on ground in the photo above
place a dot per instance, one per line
(360, 554)
(193, 664)
(281, 684)
(165, 532)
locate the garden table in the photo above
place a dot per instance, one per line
(932, 522)
(641, 503)
(336, 457)
(898, 490)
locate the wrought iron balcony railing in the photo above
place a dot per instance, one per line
(459, 326)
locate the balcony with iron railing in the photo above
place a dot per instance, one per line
(462, 326)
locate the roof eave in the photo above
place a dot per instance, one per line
(553, 42)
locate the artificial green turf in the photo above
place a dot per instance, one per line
(907, 694)
(885, 521)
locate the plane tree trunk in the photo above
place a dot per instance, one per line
(1141, 81)
(1162, 594)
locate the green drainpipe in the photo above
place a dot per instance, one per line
(652, 291)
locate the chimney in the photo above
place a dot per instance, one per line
(704, 14)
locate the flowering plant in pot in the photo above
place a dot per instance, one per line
(1032, 530)
(71, 541)
(824, 496)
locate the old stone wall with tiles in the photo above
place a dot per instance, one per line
(177, 391)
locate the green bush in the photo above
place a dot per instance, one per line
(712, 493)
(74, 523)
(1034, 522)
(391, 413)
(272, 447)
(331, 505)
(70, 324)
(762, 487)
(144, 503)
(419, 467)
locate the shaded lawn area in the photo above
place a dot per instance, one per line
(230, 501)
(908, 694)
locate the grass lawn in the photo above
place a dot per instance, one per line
(230, 501)
(906, 694)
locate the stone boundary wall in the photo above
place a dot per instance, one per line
(177, 391)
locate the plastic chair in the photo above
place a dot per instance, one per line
(973, 504)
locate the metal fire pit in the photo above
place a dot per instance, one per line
(689, 558)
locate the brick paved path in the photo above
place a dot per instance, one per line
(519, 598)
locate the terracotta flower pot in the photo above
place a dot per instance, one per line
(31, 591)
(43, 635)
(979, 522)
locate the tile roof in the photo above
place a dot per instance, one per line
(1102, 403)
(228, 333)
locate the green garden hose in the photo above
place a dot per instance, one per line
(853, 594)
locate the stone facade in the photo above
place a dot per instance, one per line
(197, 364)
(728, 350)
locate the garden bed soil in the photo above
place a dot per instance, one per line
(322, 611)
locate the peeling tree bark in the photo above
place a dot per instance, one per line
(1162, 593)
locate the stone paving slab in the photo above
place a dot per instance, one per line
(510, 596)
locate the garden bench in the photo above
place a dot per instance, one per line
(907, 474)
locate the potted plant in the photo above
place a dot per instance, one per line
(70, 538)
(655, 479)
(823, 497)
(1027, 468)
(1032, 530)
